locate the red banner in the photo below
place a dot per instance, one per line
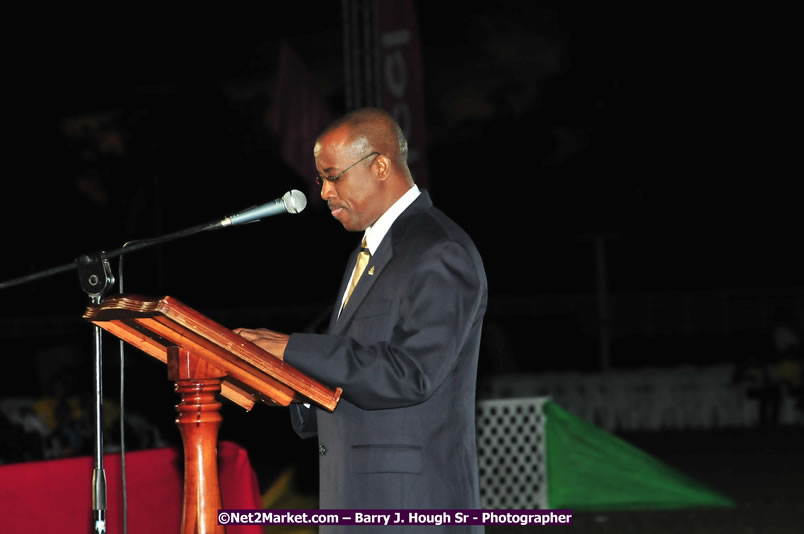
(401, 78)
(56, 495)
(299, 114)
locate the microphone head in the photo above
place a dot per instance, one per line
(294, 201)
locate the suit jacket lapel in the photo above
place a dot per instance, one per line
(370, 276)
(347, 275)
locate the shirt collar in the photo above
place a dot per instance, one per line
(375, 233)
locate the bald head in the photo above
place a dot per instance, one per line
(362, 161)
(373, 130)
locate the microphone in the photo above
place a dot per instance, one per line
(293, 201)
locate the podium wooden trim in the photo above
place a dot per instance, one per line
(204, 358)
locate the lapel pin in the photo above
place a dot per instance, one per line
(371, 271)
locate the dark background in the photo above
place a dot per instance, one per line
(669, 128)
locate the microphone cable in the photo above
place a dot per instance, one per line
(122, 403)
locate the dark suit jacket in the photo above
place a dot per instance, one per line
(405, 353)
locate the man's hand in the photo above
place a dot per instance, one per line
(267, 340)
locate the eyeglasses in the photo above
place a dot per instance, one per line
(320, 179)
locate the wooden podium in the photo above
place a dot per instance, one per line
(205, 358)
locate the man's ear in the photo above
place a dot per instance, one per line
(382, 166)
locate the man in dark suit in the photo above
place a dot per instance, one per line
(403, 344)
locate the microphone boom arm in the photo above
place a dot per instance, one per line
(293, 201)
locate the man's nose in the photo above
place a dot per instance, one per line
(327, 190)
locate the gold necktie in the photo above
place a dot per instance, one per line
(360, 266)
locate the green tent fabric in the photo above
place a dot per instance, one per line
(591, 469)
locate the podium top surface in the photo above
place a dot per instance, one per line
(155, 324)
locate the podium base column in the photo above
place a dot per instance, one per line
(198, 420)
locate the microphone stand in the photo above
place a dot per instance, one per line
(96, 279)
